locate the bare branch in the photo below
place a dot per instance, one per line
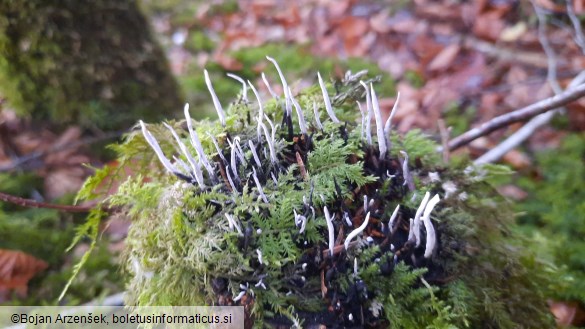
(29, 203)
(579, 37)
(540, 120)
(525, 113)
(445, 134)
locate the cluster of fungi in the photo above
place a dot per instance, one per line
(350, 219)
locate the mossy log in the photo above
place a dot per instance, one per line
(308, 217)
(89, 62)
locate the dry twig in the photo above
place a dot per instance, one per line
(36, 204)
(540, 120)
(525, 113)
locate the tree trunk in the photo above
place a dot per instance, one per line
(94, 63)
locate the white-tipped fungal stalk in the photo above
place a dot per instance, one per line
(270, 91)
(282, 79)
(411, 230)
(260, 107)
(300, 115)
(259, 186)
(219, 152)
(330, 230)
(270, 143)
(230, 180)
(316, 114)
(419, 212)
(363, 121)
(216, 102)
(260, 284)
(355, 267)
(254, 154)
(365, 203)
(232, 222)
(259, 254)
(183, 166)
(244, 87)
(388, 125)
(195, 167)
(233, 158)
(159, 153)
(426, 218)
(392, 220)
(239, 296)
(369, 113)
(196, 143)
(405, 170)
(379, 128)
(239, 151)
(327, 100)
(347, 219)
(300, 220)
(357, 231)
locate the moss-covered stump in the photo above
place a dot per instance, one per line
(309, 216)
(91, 62)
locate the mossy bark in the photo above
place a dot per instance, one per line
(92, 62)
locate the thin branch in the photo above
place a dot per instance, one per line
(29, 203)
(445, 135)
(525, 113)
(540, 120)
(551, 59)
(579, 37)
(515, 139)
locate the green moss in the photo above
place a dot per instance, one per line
(46, 234)
(414, 78)
(184, 248)
(458, 117)
(199, 41)
(554, 209)
(91, 63)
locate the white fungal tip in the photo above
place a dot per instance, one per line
(388, 124)
(282, 79)
(357, 231)
(431, 235)
(393, 217)
(159, 153)
(327, 100)
(239, 296)
(216, 102)
(259, 253)
(379, 128)
(330, 230)
(316, 114)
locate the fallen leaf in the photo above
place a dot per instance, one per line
(517, 159)
(380, 22)
(445, 58)
(567, 313)
(16, 270)
(489, 26)
(513, 192)
(513, 33)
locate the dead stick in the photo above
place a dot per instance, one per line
(518, 115)
(36, 204)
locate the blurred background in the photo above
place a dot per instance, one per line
(74, 76)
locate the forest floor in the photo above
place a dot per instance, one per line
(462, 62)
